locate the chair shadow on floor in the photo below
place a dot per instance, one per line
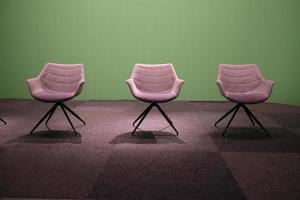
(49, 137)
(147, 137)
(241, 133)
(254, 140)
(254, 133)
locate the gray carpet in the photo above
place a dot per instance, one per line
(105, 162)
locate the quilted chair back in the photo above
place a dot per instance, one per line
(239, 78)
(156, 78)
(62, 77)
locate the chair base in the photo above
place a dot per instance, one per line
(52, 110)
(4, 122)
(249, 114)
(142, 116)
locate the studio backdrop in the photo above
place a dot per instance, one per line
(110, 36)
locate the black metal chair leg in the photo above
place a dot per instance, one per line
(3, 121)
(43, 118)
(163, 113)
(167, 118)
(257, 121)
(143, 113)
(63, 109)
(226, 114)
(50, 115)
(249, 116)
(141, 120)
(237, 108)
(72, 112)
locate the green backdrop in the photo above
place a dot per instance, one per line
(110, 36)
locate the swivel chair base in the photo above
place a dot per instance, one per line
(249, 114)
(142, 116)
(52, 110)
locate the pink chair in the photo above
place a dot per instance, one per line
(243, 84)
(56, 84)
(154, 84)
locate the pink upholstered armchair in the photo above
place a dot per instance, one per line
(56, 84)
(154, 83)
(243, 84)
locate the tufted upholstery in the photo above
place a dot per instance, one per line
(154, 82)
(57, 82)
(243, 83)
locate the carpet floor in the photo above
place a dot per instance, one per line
(104, 161)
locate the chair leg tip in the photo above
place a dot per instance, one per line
(267, 134)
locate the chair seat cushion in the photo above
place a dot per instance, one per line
(150, 97)
(52, 96)
(251, 97)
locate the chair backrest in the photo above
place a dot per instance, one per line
(154, 77)
(62, 77)
(239, 78)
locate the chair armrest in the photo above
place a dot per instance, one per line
(78, 88)
(221, 88)
(34, 84)
(266, 87)
(131, 84)
(177, 86)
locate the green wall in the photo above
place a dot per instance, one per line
(110, 36)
